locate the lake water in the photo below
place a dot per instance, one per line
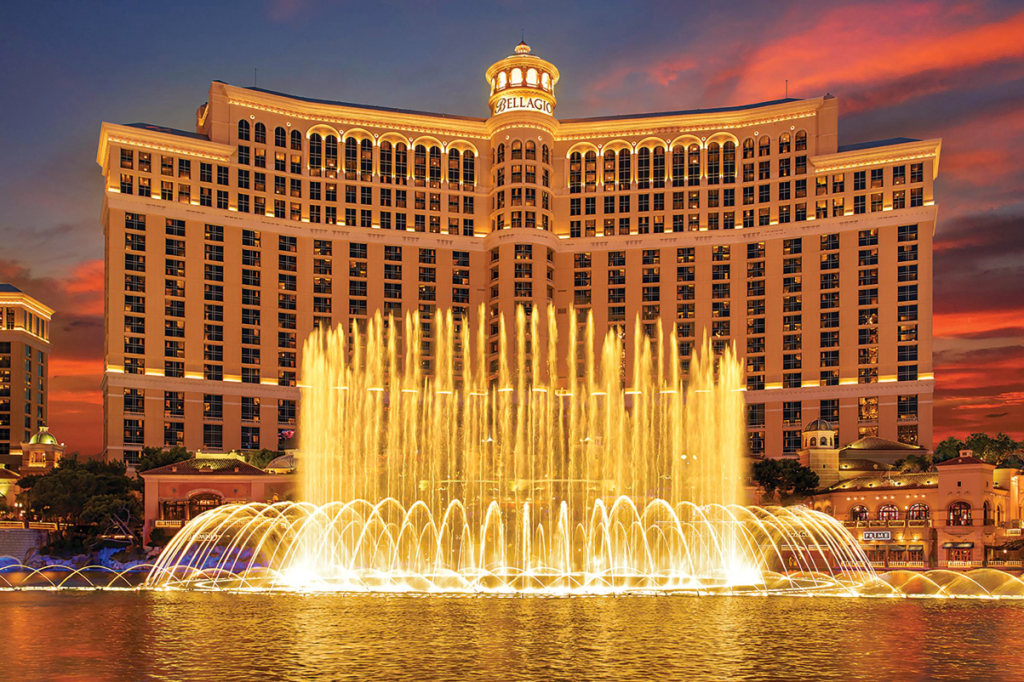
(87, 635)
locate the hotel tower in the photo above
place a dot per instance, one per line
(751, 224)
(24, 357)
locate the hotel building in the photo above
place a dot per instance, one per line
(226, 246)
(24, 354)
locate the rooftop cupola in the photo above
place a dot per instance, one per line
(522, 82)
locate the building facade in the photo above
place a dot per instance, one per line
(24, 357)
(226, 246)
(960, 514)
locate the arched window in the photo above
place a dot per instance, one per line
(888, 512)
(859, 513)
(590, 171)
(828, 509)
(502, 80)
(545, 155)
(764, 146)
(545, 81)
(280, 137)
(385, 161)
(501, 153)
(243, 130)
(517, 76)
(986, 513)
(296, 141)
(469, 168)
(435, 167)
(366, 160)
(812, 442)
(201, 502)
(918, 512)
(748, 148)
(643, 168)
(351, 157)
(260, 133)
(714, 163)
(784, 143)
(693, 165)
(659, 167)
(575, 172)
(959, 514)
(624, 169)
(729, 162)
(316, 157)
(454, 166)
(419, 165)
(801, 140)
(531, 77)
(531, 150)
(517, 149)
(401, 163)
(679, 166)
(331, 155)
(609, 171)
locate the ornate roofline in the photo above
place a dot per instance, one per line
(893, 153)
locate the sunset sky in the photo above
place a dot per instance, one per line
(899, 69)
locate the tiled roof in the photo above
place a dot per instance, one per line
(167, 131)
(875, 144)
(684, 112)
(9, 289)
(962, 459)
(885, 481)
(313, 100)
(859, 464)
(221, 466)
(875, 443)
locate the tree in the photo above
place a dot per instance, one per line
(115, 514)
(261, 458)
(65, 493)
(787, 477)
(1000, 449)
(158, 457)
(948, 449)
(912, 464)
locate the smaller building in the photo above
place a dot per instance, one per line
(963, 514)
(41, 453)
(178, 492)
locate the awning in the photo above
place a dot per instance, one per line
(915, 548)
(897, 548)
(957, 545)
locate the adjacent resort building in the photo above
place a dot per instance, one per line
(751, 224)
(24, 355)
(964, 513)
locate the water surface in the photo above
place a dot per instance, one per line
(90, 635)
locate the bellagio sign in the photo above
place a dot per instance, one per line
(522, 103)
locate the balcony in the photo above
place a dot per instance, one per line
(952, 565)
(897, 523)
(1005, 563)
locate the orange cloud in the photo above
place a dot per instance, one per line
(845, 47)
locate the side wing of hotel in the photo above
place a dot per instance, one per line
(751, 224)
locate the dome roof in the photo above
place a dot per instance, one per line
(819, 425)
(44, 437)
(286, 461)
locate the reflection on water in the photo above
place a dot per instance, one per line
(82, 635)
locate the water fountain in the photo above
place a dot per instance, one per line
(514, 467)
